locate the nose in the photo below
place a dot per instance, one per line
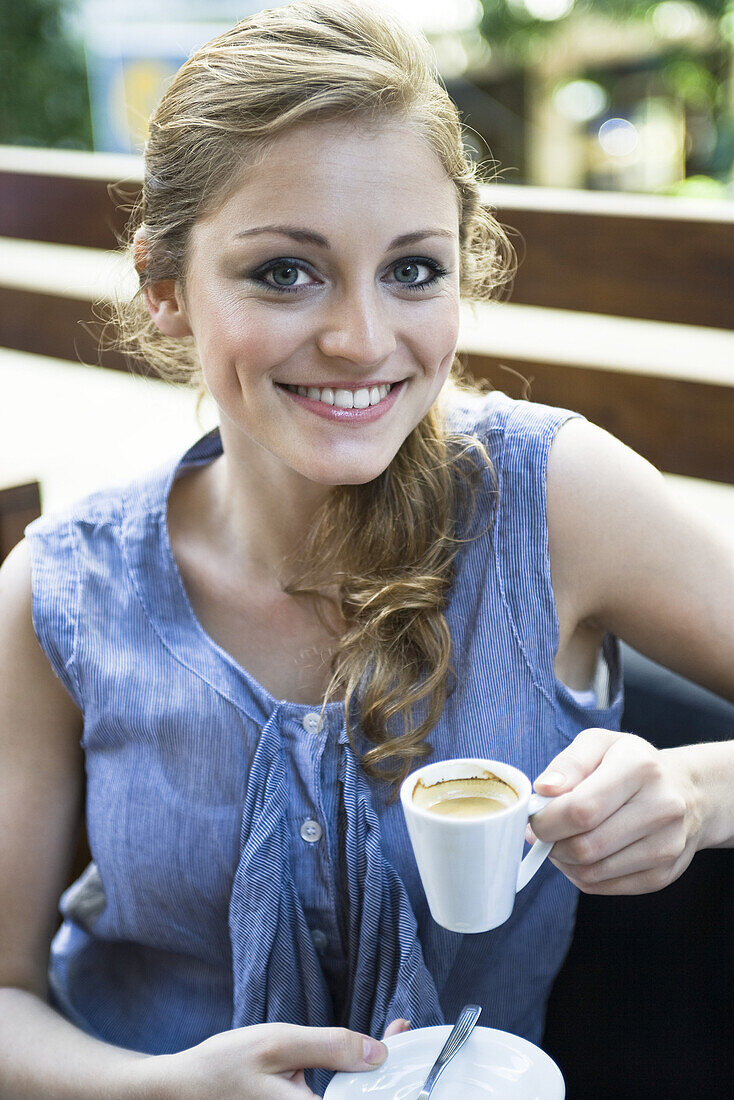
(358, 328)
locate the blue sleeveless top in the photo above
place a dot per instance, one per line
(244, 867)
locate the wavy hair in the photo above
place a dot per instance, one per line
(390, 544)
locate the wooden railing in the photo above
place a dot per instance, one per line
(659, 259)
(621, 308)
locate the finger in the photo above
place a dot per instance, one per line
(295, 1088)
(397, 1027)
(580, 759)
(290, 1047)
(649, 814)
(628, 766)
(646, 881)
(660, 856)
(291, 1088)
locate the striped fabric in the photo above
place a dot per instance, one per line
(245, 869)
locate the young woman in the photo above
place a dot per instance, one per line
(365, 564)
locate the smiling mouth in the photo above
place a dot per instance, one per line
(361, 398)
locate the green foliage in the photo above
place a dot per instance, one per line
(692, 82)
(510, 26)
(638, 9)
(44, 99)
(698, 187)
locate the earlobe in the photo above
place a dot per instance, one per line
(166, 308)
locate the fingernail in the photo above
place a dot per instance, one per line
(551, 779)
(373, 1051)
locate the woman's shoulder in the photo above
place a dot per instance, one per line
(104, 508)
(111, 505)
(498, 420)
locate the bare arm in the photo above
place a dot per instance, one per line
(627, 556)
(42, 1054)
(40, 793)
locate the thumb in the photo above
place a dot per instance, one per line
(580, 759)
(293, 1047)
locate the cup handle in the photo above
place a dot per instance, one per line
(539, 850)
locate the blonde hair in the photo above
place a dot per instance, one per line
(392, 543)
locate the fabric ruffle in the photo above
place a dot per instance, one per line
(276, 970)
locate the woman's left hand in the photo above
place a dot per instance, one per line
(397, 1027)
(627, 818)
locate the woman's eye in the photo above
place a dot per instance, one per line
(284, 275)
(416, 273)
(409, 273)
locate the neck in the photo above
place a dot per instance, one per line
(261, 510)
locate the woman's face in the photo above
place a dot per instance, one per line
(323, 296)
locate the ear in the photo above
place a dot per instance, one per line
(166, 307)
(163, 297)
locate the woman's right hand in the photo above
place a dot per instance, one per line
(262, 1062)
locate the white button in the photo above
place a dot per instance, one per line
(320, 939)
(312, 722)
(311, 831)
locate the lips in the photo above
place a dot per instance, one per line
(361, 398)
(353, 405)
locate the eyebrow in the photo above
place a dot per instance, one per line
(419, 235)
(306, 236)
(292, 231)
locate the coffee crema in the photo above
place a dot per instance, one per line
(475, 796)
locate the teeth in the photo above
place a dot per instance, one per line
(344, 399)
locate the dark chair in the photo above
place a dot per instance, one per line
(19, 505)
(643, 1008)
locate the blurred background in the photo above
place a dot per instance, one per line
(622, 95)
(608, 125)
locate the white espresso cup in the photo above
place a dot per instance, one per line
(470, 861)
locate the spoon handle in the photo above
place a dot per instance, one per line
(461, 1031)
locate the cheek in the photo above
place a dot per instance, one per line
(435, 339)
(238, 346)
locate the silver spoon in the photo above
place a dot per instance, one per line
(460, 1032)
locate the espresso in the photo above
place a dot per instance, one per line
(477, 796)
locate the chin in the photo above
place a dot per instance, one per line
(348, 468)
(359, 475)
(347, 479)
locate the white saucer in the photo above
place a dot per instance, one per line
(491, 1064)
